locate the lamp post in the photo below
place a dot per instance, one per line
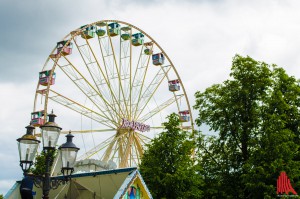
(28, 145)
(50, 133)
(68, 153)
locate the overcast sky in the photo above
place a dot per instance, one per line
(200, 37)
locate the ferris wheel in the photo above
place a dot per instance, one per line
(112, 81)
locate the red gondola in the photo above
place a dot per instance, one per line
(37, 118)
(44, 78)
(174, 85)
(184, 116)
(61, 49)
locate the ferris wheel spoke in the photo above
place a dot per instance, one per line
(89, 131)
(150, 90)
(136, 80)
(133, 158)
(115, 153)
(85, 86)
(77, 107)
(38, 134)
(105, 80)
(159, 108)
(107, 154)
(118, 72)
(88, 56)
(121, 149)
(124, 146)
(125, 68)
(72, 73)
(163, 127)
(127, 151)
(143, 138)
(124, 142)
(138, 146)
(97, 148)
(140, 73)
(111, 74)
(130, 79)
(134, 155)
(139, 85)
(156, 127)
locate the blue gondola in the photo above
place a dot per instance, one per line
(137, 39)
(158, 59)
(88, 32)
(114, 29)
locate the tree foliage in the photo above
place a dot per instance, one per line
(256, 114)
(167, 166)
(39, 166)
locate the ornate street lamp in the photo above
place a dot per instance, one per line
(27, 145)
(50, 133)
(68, 153)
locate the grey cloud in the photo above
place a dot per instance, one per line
(24, 40)
(30, 29)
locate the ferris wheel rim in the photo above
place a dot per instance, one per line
(77, 32)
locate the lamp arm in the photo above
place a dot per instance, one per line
(37, 180)
(54, 182)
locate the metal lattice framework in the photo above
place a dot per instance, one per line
(106, 79)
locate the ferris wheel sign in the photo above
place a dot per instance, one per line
(135, 125)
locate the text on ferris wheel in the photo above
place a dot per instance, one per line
(135, 125)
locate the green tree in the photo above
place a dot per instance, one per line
(1, 196)
(39, 166)
(256, 113)
(167, 166)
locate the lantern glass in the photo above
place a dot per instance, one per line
(68, 157)
(27, 149)
(50, 136)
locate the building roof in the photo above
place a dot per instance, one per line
(106, 184)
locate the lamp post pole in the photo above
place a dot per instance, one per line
(28, 145)
(46, 183)
(50, 134)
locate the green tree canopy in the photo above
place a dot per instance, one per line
(39, 166)
(167, 166)
(256, 115)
